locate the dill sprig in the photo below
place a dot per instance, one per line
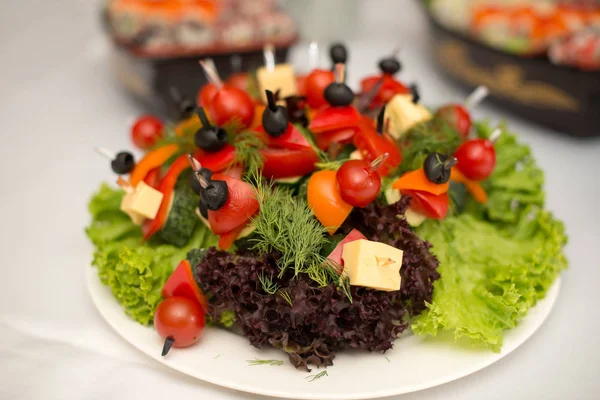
(247, 151)
(425, 138)
(317, 376)
(267, 283)
(286, 296)
(332, 165)
(287, 225)
(185, 141)
(271, 363)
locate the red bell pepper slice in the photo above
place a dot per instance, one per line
(153, 178)
(371, 145)
(227, 239)
(285, 163)
(166, 187)
(292, 138)
(182, 283)
(336, 254)
(241, 204)
(428, 204)
(218, 160)
(333, 118)
(389, 88)
(342, 136)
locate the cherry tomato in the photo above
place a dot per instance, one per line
(241, 204)
(389, 88)
(476, 159)
(146, 131)
(231, 103)
(180, 319)
(315, 85)
(301, 85)
(358, 185)
(428, 204)
(285, 163)
(206, 95)
(238, 80)
(324, 199)
(372, 145)
(457, 117)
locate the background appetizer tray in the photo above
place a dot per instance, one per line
(414, 364)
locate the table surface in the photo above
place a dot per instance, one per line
(59, 99)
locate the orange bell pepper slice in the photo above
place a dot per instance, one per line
(151, 160)
(325, 200)
(416, 180)
(473, 187)
(259, 108)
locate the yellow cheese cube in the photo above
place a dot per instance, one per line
(126, 208)
(372, 264)
(280, 78)
(403, 114)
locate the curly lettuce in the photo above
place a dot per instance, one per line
(134, 271)
(496, 260)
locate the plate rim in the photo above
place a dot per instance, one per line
(92, 279)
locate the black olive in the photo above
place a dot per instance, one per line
(215, 195)
(194, 183)
(416, 96)
(338, 53)
(209, 138)
(186, 108)
(296, 108)
(123, 163)
(380, 120)
(338, 94)
(437, 167)
(390, 65)
(274, 118)
(203, 209)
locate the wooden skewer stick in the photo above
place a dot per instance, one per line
(105, 152)
(495, 135)
(126, 186)
(476, 97)
(269, 55)
(340, 73)
(196, 166)
(313, 55)
(210, 70)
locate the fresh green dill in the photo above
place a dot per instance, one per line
(332, 165)
(317, 376)
(425, 138)
(185, 141)
(327, 272)
(388, 360)
(267, 283)
(307, 135)
(287, 225)
(217, 356)
(271, 363)
(286, 296)
(247, 151)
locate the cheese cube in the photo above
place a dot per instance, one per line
(372, 264)
(281, 78)
(144, 201)
(403, 114)
(126, 208)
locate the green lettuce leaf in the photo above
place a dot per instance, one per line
(134, 271)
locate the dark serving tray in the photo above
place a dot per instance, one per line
(562, 98)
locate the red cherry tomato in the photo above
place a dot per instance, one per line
(238, 80)
(206, 95)
(428, 204)
(476, 159)
(457, 117)
(358, 185)
(241, 204)
(389, 88)
(146, 131)
(181, 319)
(231, 103)
(301, 85)
(372, 145)
(286, 163)
(315, 85)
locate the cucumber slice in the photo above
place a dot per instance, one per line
(181, 220)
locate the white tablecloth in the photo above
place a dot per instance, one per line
(58, 100)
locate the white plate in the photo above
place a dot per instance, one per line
(221, 358)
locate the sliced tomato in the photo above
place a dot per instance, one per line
(235, 171)
(241, 204)
(389, 88)
(182, 283)
(333, 118)
(342, 136)
(336, 254)
(428, 204)
(284, 163)
(324, 199)
(301, 85)
(371, 145)
(153, 178)
(227, 239)
(166, 187)
(218, 160)
(292, 138)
